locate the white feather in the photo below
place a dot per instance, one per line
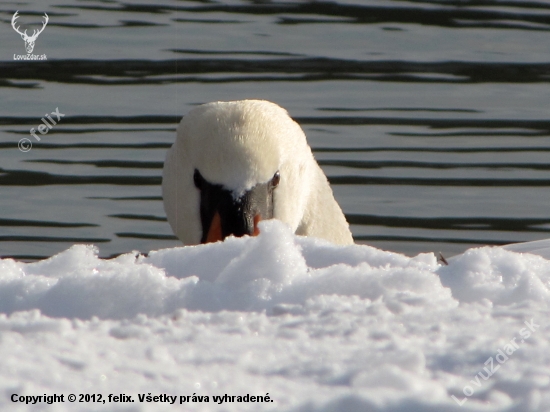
(238, 145)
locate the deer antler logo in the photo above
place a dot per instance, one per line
(29, 40)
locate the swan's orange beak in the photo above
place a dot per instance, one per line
(257, 219)
(215, 232)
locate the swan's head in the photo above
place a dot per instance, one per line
(233, 164)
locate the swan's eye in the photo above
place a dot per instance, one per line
(197, 178)
(276, 179)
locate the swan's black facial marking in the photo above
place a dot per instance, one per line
(237, 217)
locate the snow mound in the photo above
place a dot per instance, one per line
(246, 274)
(317, 327)
(498, 275)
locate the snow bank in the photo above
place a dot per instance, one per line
(497, 275)
(315, 326)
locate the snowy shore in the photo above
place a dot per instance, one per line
(310, 325)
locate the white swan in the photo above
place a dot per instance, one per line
(234, 163)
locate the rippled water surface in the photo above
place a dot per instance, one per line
(430, 118)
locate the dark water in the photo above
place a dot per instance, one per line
(429, 117)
